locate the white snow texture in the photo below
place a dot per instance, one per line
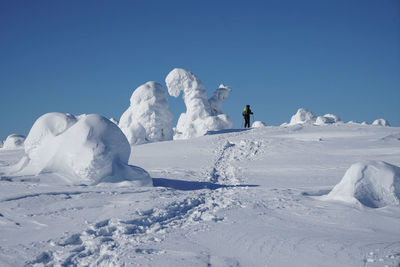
(372, 183)
(148, 119)
(201, 114)
(86, 149)
(13, 141)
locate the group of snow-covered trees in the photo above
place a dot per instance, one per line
(149, 119)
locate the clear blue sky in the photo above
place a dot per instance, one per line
(340, 57)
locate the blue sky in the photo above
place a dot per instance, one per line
(340, 57)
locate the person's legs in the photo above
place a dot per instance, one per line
(247, 122)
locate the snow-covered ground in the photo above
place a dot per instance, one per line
(230, 198)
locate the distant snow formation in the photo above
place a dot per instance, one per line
(302, 116)
(372, 183)
(202, 114)
(381, 122)
(327, 119)
(218, 97)
(258, 124)
(86, 149)
(148, 119)
(14, 141)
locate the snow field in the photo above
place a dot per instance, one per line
(240, 198)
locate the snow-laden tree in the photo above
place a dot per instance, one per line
(148, 119)
(218, 97)
(201, 114)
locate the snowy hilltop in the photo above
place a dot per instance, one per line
(202, 114)
(85, 149)
(148, 119)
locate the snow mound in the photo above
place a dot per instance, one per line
(148, 119)
(13, 141)
(86, 149)
(302, 116)
(327, 119)
(381, 122)
(202, 114)
(373, 184)
(258, 124)
(352, 122)
(364, 123)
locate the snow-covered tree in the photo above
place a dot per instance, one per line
(148, 119)
(218, 97)
(201, 114)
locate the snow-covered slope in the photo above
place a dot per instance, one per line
(239, 198)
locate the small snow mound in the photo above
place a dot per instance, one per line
(13, 141)
(302, 116)
(352, 122)
(202, 114)
(364, 123)
(372, 183)
(258, 124)
(381, 122)
(148, 119)
(87, 149)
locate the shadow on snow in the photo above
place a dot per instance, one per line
(191, 185)
(227, 131)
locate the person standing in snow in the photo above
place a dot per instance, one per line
(246, 115)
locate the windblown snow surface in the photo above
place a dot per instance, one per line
(230, 198)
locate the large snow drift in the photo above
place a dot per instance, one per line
(373, 183)
(87, 149)
(202, 114)
(14, 141)
(148, 119)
